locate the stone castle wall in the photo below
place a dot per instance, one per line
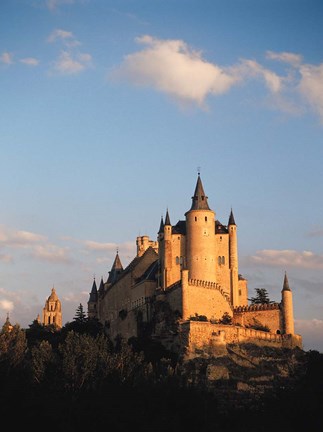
(269, 315)
(204, 338)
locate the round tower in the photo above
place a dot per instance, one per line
(233, 260)
(287, 308)
(200, 237)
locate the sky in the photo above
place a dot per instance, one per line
(108, 110)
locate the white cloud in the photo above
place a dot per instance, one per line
(251, 68)
(71, 64)
(54, 4)
(311, 87)
(6, 58)
(18, 238)
(5, 304)
(288, 258)
(311, 332)
(64, 36)
(30, 61)
(171, 66)
(96, 246)
(51, 253)
(286, 57)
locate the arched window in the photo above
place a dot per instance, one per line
(223, 260)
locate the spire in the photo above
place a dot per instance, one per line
(231, 218)
(115, 270)
(167, 219)
(286, 284)
(161, 226)
(199, 200)
(101, 287)
(94, 292)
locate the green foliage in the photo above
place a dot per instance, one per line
(13, 345)
(261, 297)
(80, 315)
(226, 319)
(198, 317)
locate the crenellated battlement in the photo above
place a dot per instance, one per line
(209, 285)
(257, 307)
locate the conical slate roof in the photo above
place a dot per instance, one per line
(231, 219)
(199, 200)
(115, 270)
(94, 292)
(286, 284)
(167, 218)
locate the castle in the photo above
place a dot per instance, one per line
(191, 272)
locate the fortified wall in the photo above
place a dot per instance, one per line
(198, 338)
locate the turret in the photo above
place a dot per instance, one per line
(200, 238)
(287, 308)
(233, 260)
(115, 271)
(93, 300)
(165, 255)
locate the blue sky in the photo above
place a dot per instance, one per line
(108, 108)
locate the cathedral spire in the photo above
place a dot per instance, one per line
(199, 200)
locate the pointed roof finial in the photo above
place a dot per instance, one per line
(161, 226)
(167, 218)
(231, 218)
(199, 200)
(286, 284)
(199, 171)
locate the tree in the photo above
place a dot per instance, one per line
(261, 297)
(80, 315)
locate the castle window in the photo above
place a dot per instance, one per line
(205, 218)
(177, 260)
(223, 260)
(219, 260)
(195, 218)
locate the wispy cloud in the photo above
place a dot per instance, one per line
(174, 68)
(35, 245)
(52, 5)
(286, 57)
(316, 233)
(70, 60)
(64, 36)
(288, 258)
(311, 331)
(6, 58)
(30, 61)
(311, 87)
(97, 246)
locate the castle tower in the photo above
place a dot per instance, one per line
(115, 271)
(200, 237)
(93, 301)
(233, 260)
(287, 306)
(52, 312)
